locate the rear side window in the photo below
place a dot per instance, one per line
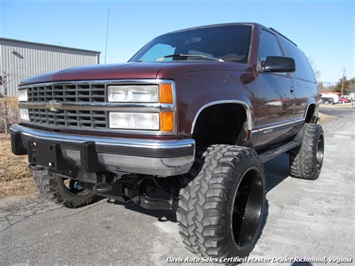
(268, 45)
(303, 68)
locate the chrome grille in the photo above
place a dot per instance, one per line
(69, 93)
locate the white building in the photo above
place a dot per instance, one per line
(22, 59)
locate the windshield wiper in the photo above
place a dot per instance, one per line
(194, 55)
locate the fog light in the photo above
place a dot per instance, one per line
(22, 96)
(24, 115)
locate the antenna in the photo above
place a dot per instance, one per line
(108, 23)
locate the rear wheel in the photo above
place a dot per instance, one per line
(307, 160)
(220, 211)
(68, 192)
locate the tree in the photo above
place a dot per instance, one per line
(4, 94)
(349, 85)
(315, 69)
(321, 86)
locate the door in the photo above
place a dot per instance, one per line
(274, 109)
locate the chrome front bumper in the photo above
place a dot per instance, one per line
(94, 154)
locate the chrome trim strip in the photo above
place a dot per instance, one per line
(279, 125)
(246, 107)
(301, 120)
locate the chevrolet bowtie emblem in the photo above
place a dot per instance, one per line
(53, 106)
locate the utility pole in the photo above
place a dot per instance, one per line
(343, 83)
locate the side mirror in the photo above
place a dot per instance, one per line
(278, 64)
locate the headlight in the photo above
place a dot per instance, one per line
(133, 93)
(150, 117)
(143, 121)
(24, 115)
(22, 96)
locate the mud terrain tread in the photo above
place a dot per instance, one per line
(50, 187)
(304, 159)
(203, 202)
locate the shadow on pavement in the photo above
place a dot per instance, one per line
(276, 171)
(162, 215)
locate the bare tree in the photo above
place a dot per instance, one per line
(4, 78)
(315, 69)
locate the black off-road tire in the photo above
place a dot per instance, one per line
(221, 210)
(307, 160)
(54, 188)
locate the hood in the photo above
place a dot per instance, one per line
(98, 72)
(134, 70)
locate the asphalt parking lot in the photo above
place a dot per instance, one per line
(307, 221)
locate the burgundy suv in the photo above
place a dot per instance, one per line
(186, 124)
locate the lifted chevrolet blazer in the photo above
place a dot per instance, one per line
(185, 125)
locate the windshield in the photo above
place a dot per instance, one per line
(220, 43)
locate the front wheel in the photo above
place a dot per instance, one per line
(67, 192)
(220, 211)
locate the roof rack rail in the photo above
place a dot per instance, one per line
(282, 35)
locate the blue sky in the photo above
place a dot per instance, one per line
(324, 30)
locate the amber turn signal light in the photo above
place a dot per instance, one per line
(167, 121)
(166, 93)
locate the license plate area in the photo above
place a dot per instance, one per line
(46, 154)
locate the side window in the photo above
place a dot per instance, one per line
(268, 45)
(303, 68)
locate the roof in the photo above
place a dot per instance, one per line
(49, 45)
(214, 25)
